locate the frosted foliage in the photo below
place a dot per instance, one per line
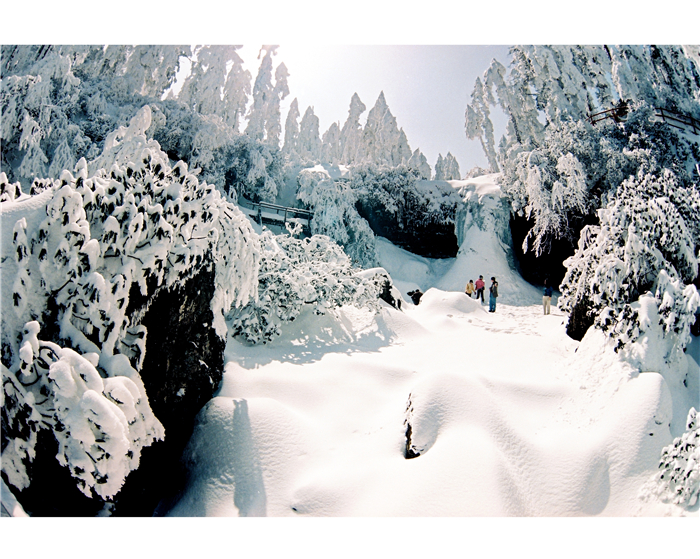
(646, 241)
(446, 169)
(678, 478)
(143, 223)
(291, 129)
(335, 215)
(382, 141)
(309, 142)
(419, 162)
(202, 89)
(293, 273)
(351, 133)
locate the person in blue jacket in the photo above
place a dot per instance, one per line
(547, 298)
(493, 294)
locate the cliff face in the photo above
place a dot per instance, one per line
(419, 218)
(181, 371)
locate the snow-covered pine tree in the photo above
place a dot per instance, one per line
(478, 123)
(202, 89)
(330, 145)
(264, 113)
(382, 142)
(309, 141)
(447, 168)
(291, 131)
(351, 133)
(419, 162)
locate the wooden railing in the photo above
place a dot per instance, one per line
(679, 120)
(284, 213)
(617, 114)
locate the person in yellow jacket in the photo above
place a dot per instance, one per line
(470, 289)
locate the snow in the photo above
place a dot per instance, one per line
(510, 417)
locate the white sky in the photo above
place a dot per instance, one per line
(427, 88)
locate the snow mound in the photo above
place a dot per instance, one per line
(441, 409)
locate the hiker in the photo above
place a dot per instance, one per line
(547, 298)
(415, 296)
(493, 294)
(470, 289)
(480, 288)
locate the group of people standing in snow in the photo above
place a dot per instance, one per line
(478, 288)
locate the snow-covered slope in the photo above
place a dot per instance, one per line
(510, 417)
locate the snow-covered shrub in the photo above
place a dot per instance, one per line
(647, 240)
(101, 424)
(135, 223)
(678, 478)
(9, 191)
(293, 273)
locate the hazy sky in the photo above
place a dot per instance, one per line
(427, 88)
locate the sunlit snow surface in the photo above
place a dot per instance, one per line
(512, 417)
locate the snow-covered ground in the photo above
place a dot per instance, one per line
(510, 416)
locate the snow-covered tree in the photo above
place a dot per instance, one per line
(382, 141)
(203, 88)
(351, 133)
(264, 113)
(291, 129)
(478, 123)
(447, 169)
(330, 145)
(419, 162)
(335, 215)
(309, 141)
(647, 241)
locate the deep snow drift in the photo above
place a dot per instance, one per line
(508, 415)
